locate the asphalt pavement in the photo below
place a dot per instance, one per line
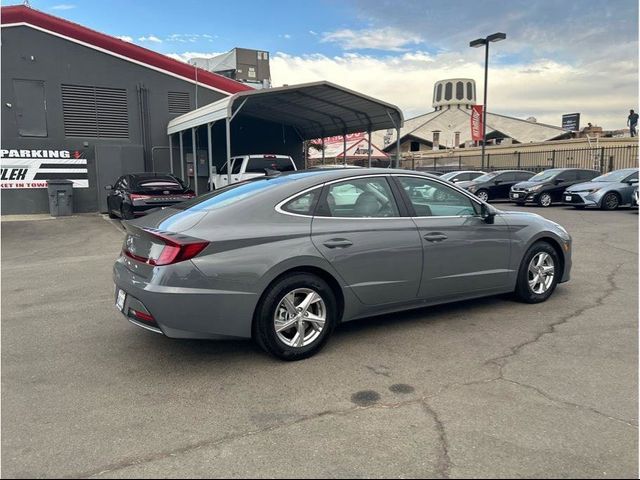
(484, 388)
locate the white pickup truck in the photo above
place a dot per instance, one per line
(245, 167)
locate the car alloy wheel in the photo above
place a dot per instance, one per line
(544, 200)
(610, 201)
(541, 273)
(537, 275)
(300, 317)
(483, 195)
(295, 316)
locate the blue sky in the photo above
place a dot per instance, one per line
(559, 57)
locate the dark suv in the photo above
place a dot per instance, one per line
(547, 187)
(495, 185)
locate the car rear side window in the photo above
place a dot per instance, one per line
(360, 198)
(303, 204)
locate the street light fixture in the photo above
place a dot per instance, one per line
(495, 37)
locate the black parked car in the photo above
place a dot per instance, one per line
(135, 193)
(547, 187)
(495, 185)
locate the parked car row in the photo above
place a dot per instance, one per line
(577, 187)
(134, 194)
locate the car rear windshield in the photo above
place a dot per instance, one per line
(258, 165)
(229, 195)
(149, 184)
(615, 176)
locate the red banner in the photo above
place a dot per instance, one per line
(476, 123)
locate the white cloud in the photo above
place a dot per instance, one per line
(313, 33)
(189, 37)
(63, 6)
(386, 38)
(602, 91)
(186, 56)
(125, 38)
(150, 38)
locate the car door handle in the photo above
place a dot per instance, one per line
(338, 243)
(435, 237)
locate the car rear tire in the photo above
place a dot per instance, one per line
(295, 317)
(544, 200)
(483, 195)
(611, 201)
(538, 274)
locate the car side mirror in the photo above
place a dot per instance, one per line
(497, 182)
(108, 187)
(632, 181)
(488, 213)
(558, 181)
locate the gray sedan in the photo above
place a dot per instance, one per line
(608, 191)
(284, 259)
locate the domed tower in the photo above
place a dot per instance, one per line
(459, 92)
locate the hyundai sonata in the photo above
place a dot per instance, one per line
(284, 259)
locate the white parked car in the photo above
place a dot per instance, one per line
(245, 167)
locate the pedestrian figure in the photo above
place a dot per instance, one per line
(632, 122)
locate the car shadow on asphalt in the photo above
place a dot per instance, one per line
(210, 350)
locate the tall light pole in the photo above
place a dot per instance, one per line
(496, 37)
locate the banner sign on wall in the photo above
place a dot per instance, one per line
(21, 168)
(476, 123)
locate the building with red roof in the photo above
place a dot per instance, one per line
(86, 106)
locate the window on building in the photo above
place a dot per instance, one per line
(469, 91)
(179, 102)
(439, 92)
(30, 108)
(448, 91)
(96, 112)
(459, 90)
(415, 146)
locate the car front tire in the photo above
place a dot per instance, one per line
(483, 195)
(126, 212)
(544, 200)
(611, 201)
(295, 317)
(538, 274)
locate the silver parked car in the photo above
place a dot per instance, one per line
(284, 259)
(608, 191)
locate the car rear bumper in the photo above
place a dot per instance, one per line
(183, 312)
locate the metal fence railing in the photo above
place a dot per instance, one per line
(603, 159)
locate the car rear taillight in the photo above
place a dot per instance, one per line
(167, 249)
(143, 316)
(136, 196)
